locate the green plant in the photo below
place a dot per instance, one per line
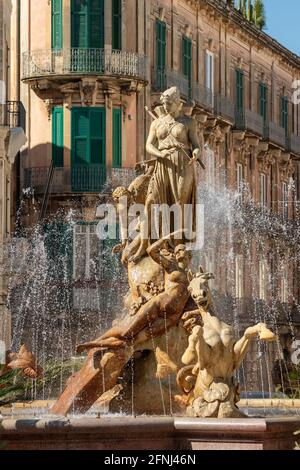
(13, 386)
(294, 376)
(253, 12)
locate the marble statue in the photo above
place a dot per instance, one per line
(24, 361)
(173, 141)
(212, 356)
(168, 309)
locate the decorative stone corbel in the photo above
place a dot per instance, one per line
(49, 103)
(88, 92)
(265, 157)
(240, 145)
(68, 90)
(287, 166)
(124, 110)
(161, 13)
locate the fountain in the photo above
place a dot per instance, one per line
(168, 369)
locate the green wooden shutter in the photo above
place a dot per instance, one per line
(88, 149)
(187, 60)
(240, 89)
(161, 50)
(263, 101)
(79, 14)
(117, 138)
(96, 24)
(97, 136)
(239, 113)
(80, 136)
(58, 136)
(56, 24)
(117, 24)
(87, 24)
(284, 113)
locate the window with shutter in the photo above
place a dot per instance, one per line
(284, 114)
(187, 61)
(58, 136)
(88, 149)
(87, 24)
(240, 89)
(56, 24)
(117, 138)
(263, 101)
(161, 46)
(239, 85)
(117, 24)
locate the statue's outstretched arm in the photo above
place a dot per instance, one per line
(242, 346)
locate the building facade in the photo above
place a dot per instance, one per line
(11, 139)
(89, 68)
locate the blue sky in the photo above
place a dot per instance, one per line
(283, 22)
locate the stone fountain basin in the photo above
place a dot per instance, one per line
(23, 427)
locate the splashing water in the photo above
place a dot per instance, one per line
(65, 287)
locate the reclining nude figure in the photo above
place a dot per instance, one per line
(108, 355)
(167, 306)
(212, 357)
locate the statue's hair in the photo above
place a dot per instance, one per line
(172, 93)
(119, 192)
(179, 248)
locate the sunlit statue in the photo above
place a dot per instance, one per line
(167, 307)
(212, 357)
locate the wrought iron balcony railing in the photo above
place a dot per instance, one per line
(175, 78)
(14, 114)
(79, 178)
(77, 61)
(245, 119)
(277, 135)
(295, 144)
(224, 107)
(203, 96)
(254, 122)
(158, 79)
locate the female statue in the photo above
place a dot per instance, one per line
(173, 140)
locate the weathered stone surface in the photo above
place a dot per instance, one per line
(163, 433)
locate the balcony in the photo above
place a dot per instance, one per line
(175, 78)
(295, 144)
(277, 135)
(14, 114)
(203, 96)
(158, 79)
(78, 179)
(224, 107)
(78, 62)
(254, 122)
(248, 120)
